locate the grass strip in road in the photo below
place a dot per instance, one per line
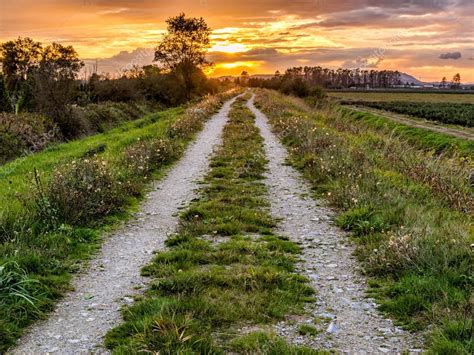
(47, 229)
(409, 211)
(225, 270)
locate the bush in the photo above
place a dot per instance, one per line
(24, 133)
(143, 157)
(80, 192)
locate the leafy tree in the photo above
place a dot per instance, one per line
(19, 58)
(456, 82)
(54, 84)
(183, 49)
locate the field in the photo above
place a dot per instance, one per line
(403, 96)
(229, 274)
(448, 113)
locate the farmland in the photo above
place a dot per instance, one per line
(279, 183)
(449, 113)
(429, 97)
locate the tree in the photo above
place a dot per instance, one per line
(19, 58)
(443, 82)
(54, 84)
(183, 49)
(456, 82)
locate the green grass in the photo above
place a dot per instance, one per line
(16, 176)
(40, 246)
(224, 269)
(308, 329)
(404, 96)
(420, 137)
(409, 210)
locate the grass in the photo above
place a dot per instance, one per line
(42, 240)
(440, 112)
(224, 270)
(404, 96)
(422, 138)
(408, 206)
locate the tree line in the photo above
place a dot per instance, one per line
(44, 79)
(330, 78)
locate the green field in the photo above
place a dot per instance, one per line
(403, 96)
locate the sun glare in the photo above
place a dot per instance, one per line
(229, 47)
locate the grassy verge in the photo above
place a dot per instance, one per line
(28, 132)
(52, 220)
(448, 113)
(420, 137)
(224, 271)
(409, 210)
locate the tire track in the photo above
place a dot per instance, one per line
(349, 321)
(85, 315)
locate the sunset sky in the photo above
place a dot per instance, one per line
(425, 38)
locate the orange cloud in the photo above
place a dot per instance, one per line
(261, 36)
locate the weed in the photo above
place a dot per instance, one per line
(79, 192)
(307, 329)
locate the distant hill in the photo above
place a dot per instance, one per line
(407, 78)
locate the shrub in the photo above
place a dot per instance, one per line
(24, 133)
(144, 156)
(80, 192)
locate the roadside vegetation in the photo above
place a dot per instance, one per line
(224, 271)
(425, 139)
(47, 94)
(408, 204)
(57, 204)
(449, 113)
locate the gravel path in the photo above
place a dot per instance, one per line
(349, 322)
(82, 319)
(461, 132)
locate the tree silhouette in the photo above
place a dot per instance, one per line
(19, 59)
(183, 49)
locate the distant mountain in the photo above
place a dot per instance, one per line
(407, 78)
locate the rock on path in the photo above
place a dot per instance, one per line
(351, 322)
(84, 316)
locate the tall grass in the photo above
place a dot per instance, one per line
(409, 210)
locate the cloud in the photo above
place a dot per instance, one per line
(451, 55)
(360, 62)
(122, 61)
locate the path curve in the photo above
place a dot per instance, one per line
(355, 325)
(462, 132)
(85, 315)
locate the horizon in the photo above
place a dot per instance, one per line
(425, 39)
